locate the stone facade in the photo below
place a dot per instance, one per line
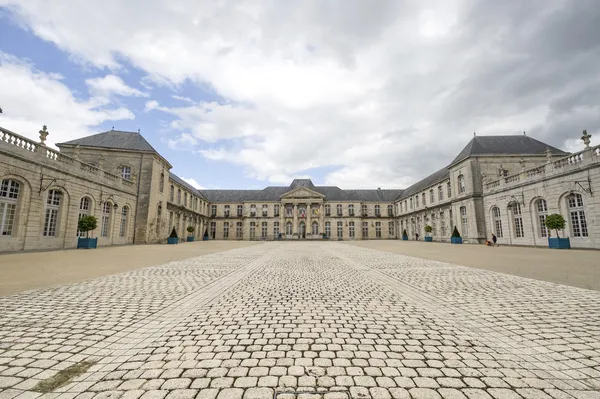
(496, 184)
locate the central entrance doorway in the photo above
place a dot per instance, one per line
(302, 230)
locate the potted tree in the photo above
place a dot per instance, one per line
(557, 222)
(87, 224)
(190, 229)
(404, 235)
(428, 230)
(173, 238)
(456, 238)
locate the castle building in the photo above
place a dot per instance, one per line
(501, 184)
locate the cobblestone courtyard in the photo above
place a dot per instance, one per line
(275, 317)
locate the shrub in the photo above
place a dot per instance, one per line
(428, 229)
(87, 224)
(555, 222)
(190, 229)
(173, 233)
(455, 233)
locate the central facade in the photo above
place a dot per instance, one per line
(301, 211)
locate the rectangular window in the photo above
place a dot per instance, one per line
(105, 221)
(252, 210)
(462, 187)
(390, 210)
(391, 228)
(518, 220)
(288, 229)
(497, 221)
(226, 213)
(440, 193)
(240, 210)
(289, 211)
(365, 229)
(126, 172)
(328, 229)
(378, 229)
(350, 210)
(340, 229)
(416, 201)
(364, 210)
(213, 230)
(577, 213)
(411, 203)
(171, 193)
(238, 230)
(442, 224)
(377, 210)
(449, 189)
(252, 230)
(275, 229)
(351, 231)
(276, 212)
(423, 199)
(431, 199)
(265, 210)
(123, 226)
(264, 230)
(327, 210)
(161, 182)
(178, 196)
(226, 230)
(213, 211)
(339, 209)
(464, 221)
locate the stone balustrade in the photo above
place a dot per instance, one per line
(559, 166)
(12, 141)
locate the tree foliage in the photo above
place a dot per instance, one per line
(87, 224)
(555, 222)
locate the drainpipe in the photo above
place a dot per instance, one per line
(137, 199)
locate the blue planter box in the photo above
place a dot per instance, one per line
(205, 238)
(428, 239)
(190, 239)
(404, 238)
(559, 243)
(172, 240)
(87, 243)
(456, 240)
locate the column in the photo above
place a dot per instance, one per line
(295, 226)
(321, 218)
(282, 219)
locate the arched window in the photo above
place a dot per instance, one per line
(517, 220)
(124, 221)
(105, 221)
(464, 221)
(542, 213)
(577, 216)
(9, 197)
(462, 187)
(288, 229)
(52, 211)
(84, 210)
(497, 221)
(315, 228)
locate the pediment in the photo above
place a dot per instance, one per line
(302, 193)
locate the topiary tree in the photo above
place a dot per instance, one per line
(173, 233)
(555, 222)
(404, 234)
(428, 229)
(455, 233)
(87, 224)
(190, 229)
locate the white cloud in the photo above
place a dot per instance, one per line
(383, 94)
(193, 183)
(111, 85)
(31, 98)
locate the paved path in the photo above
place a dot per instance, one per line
(275, 317)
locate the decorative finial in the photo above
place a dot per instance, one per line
(474, 134)
(524, 134)
(43, 134)
(548, 153)
(586, 139)
(100, 162)
(113, 128)
(138, 129)
(522, 162)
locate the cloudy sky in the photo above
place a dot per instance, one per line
(355, 93)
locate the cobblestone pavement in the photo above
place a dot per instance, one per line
(328, 319)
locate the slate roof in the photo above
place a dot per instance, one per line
(116, 139)
(430, 180)
(504, 145)
(185, 184)
(274, 193)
